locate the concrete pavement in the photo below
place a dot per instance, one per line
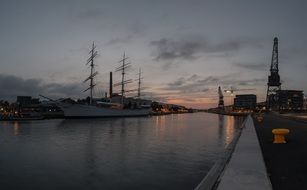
(286, 163)
(246, 169)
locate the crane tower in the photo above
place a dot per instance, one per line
(274, 83)
(221, 99)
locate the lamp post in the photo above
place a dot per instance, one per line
(231, 99)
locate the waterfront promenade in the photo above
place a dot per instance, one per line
(286, 163)
(242, 167)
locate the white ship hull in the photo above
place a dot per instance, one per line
(88, 111)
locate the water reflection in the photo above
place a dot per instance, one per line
(16, 128)
(221, 126)
(227, 128)
(160, 125)
(161, 152)
(90, 159)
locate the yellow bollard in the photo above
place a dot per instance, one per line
(279, 135)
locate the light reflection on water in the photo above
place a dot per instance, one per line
(160, 152)
(16, 128)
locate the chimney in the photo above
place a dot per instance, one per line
(111, 85)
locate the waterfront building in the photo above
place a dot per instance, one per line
(245, 101)
(290, 100)
(24, 100)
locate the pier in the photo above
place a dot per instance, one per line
(242, 167)
(285, 163)
(254, 162)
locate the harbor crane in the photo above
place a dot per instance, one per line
(221, 99)
(274, 83)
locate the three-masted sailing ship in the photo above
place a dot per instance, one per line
(99, 108)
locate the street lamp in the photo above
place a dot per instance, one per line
(231, 95)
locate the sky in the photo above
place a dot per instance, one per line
(186, 49)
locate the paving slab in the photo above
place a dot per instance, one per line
(286, 163)
(246, 169)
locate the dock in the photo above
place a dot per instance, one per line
(243, 168)
(256, 163)
(286, 163)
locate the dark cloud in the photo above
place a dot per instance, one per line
(120, 40)
(13, 86)
(190, 48)
(178, 82)
(252, 66)
(133, 30)
(91, 14)
(193, 78)
(192, 84)
(196, 84)
(168, 49)
(209, 80)
(252, 82)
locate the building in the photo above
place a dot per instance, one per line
(24, 100)
(290, 100)
(245, 101)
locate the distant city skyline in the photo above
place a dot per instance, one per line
(186, 49)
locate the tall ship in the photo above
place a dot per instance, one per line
(116, 105)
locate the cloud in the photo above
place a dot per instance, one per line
(189, 48)
(178, 82)
(13, 86)
(193, 77)
(252, 82)
(209, 80)
(168, 49)
(252, 66)
(196, 85)
(120, 40)
(192, 84)
(91, 14)
(131, 31)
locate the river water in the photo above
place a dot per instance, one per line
(159, 152)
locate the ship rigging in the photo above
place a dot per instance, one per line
(93, 53)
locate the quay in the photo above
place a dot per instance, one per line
(286, 163)
(243, 168)
(256, 163)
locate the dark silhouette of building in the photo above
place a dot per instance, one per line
(290, 100)
(24, 100)
(245, 101)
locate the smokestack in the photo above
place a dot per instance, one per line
(111, 85)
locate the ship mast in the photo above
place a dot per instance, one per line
(93, 53)
(123, 68)
(139, 83)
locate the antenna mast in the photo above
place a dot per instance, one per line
(93, 53)
(274, 83)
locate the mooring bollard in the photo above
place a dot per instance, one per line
(279, 135)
